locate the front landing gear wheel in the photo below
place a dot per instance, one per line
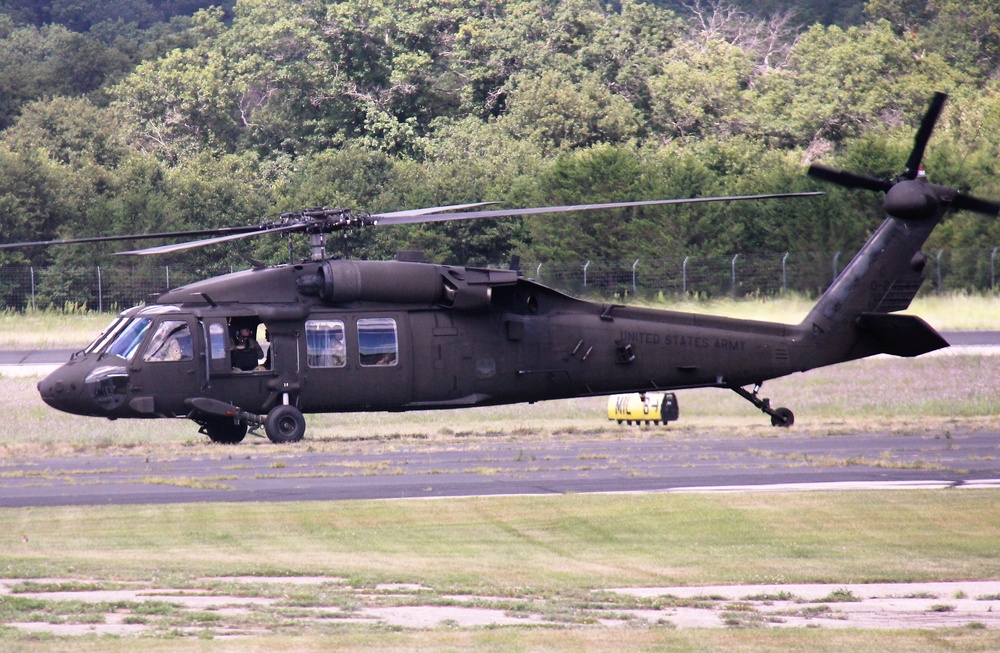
(285, 424)
(223, 430)
(782, 418)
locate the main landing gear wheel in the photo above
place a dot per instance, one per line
(224, 430)
(285, 424)
(782, 418)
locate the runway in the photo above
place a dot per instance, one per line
(502, 466)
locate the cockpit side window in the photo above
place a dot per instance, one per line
(171, 342)
(217, 340)
(325, 343)
(377, 342)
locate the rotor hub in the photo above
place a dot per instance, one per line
(912, 199)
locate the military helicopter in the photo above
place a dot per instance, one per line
(348, 336)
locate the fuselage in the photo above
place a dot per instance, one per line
(400, 336)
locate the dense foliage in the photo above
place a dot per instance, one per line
(154, 115)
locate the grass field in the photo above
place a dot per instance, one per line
(547, 561)
(551, 560)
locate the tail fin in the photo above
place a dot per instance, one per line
(852, 319)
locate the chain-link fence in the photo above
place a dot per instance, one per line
(113, 288)
(103, 289)
(740, 275)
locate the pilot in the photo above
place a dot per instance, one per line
(178, 348)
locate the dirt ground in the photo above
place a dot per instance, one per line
(120, 611)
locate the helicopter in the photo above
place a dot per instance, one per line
(265, 346)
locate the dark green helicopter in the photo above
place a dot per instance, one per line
(266, 345)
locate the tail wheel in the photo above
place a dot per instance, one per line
(285, 424)
(782, 418)
(224, 430)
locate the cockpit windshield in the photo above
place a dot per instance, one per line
(128, 338)
(106, 335)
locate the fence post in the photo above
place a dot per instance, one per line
(538, 272)
(585, 266)
(836, 257)
(684, 275)
(634, 291)
(100, 292)
(784, 274)
(167, 268)
(734, 273)
(993, 273)
(32, 269)
(939, 253)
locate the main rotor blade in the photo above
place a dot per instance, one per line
(177, 247)
(111, 239)
(500, 213)
(435, 209)
(923, 135)
(849, 179)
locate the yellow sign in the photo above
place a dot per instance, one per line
(645, 407)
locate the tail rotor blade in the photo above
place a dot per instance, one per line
(923, 135)
(969, 203)
(848, 179)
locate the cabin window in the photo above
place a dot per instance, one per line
(170, 342)
(217, 340)
(325, 343)
(377, 342)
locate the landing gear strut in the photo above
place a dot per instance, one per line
(780, 417)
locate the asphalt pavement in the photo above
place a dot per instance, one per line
(506, 466)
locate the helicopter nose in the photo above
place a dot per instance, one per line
(87, 386)
(63, 390)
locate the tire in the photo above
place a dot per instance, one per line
(224, 430)
(285, 424)
(782, 418)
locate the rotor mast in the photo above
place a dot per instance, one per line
(317, 242)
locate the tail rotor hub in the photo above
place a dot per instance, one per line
(913, 199)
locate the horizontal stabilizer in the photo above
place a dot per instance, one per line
(901, 335)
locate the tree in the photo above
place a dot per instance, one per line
(701, 90)
(37, 63)
(601, 173)
(69, 130)
(905, 16)
(557, 113)
(839, 83)
(966, 33)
